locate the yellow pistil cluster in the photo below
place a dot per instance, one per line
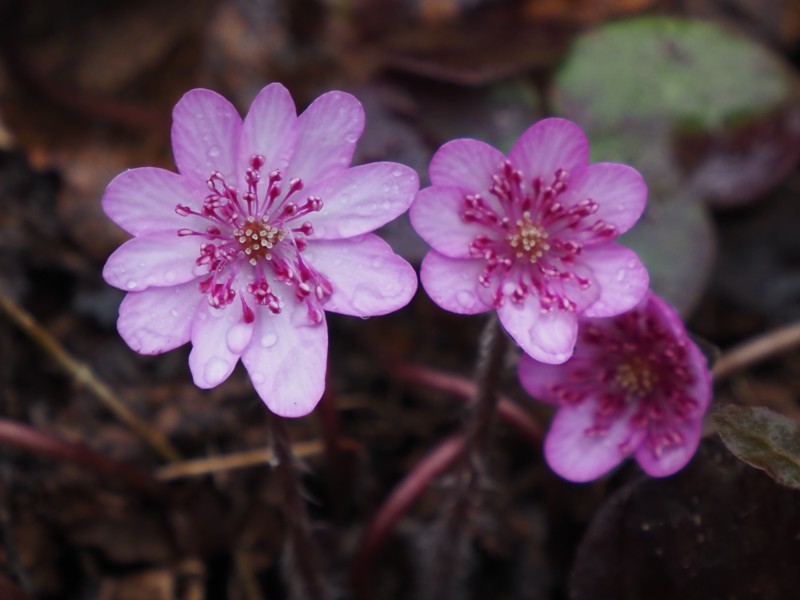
(636, 377)
(528, 239)
(257, 238)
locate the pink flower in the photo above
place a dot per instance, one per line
(262, 229)
(637, 385)
(531, 235)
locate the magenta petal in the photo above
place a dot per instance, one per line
(327, 133)
(219, 335)
(436, 217)
(205, 135)
(549, 145)
(538, 378)
(578, 453)
(548, 337)
(619, 191)
(622, 278)
(287, 363)
(368, 278)
(269, 130)
(158, 319)
(143, 201)
(453, 283)
(155, 259)
(361, 199)
(466, 164)
(671, 459)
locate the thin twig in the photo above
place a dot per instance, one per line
(27, 438)
(82, 374)
(756, 350)
(306, 580)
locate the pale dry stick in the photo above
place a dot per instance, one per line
(84, 376)
(230, 462)
(756, 350)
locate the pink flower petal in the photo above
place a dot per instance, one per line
(158, 319)
(219, 336)
(368, 278)
(327, 133)
(466, 164)
(538, 378)
(622, 279)
(286, 362)
(361, 199)
(549, 145)
(269, 130)
(436, 217)
(671, 459)
(548, 337)
(143, 201)
(453, 283)
(205, 135)
(579, 454)
(619, 191)
(155, 259)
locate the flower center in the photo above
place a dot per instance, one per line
(528, 240)
(253, 241)
(531, 239)
(257, 238)
(636, 378)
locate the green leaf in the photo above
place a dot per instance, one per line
(689, 103)
(762, 438)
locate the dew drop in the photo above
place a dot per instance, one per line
(269, 340)
(397, 172)
(238, 337)
(215, 371)
(386, 189)
(131, 284)
(351, 138)
(213, 152)
(174, 312)
(465, 298)
(621, 274)
(377, 262)
(169, 276)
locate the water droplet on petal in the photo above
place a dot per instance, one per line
(174, 312)
(131, 284)
(397, 172)
(621, 274)
(269, 340)
(377, 262)
(169, 276)
(213, 152)
(465, 298)
(215, 371)
(238, 337)
(632, 264)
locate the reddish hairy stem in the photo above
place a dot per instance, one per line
(397, 504)
(460, 387)
(27, 438)
(305, 578)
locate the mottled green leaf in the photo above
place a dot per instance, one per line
(762, 438)
(690, 104)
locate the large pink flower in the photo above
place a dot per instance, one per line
(637, 385)
(531, 235)
(262, 229)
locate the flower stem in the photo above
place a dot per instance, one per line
(451, 546)
(305, 579)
